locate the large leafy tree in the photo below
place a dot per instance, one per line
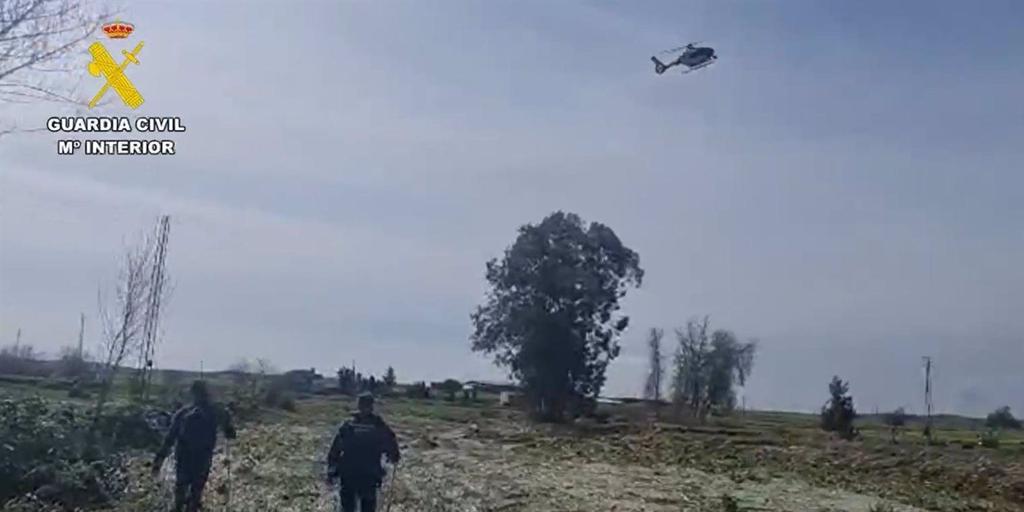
(551, 316)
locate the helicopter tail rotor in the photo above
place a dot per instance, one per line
(659, 66)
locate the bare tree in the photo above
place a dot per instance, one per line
(37, 43)
(656, 370)
(73, 362)
(708, 366)
(689, 384)
(123, 326)
(251, 377)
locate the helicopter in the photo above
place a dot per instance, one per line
(692, 56)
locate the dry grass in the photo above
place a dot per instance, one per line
(484, 458)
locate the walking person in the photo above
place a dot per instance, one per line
(355, 457)
(193, 434)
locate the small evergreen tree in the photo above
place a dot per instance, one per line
(389, 378)
(838, 413)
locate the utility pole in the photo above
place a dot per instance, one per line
(928, 396)
(151, 322)
(81, 337)
(17, 339)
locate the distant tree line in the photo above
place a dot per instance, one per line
(18, 358)
(352, 382)
(1002, 418)
(838, 416)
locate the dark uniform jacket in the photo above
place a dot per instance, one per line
(357, 448)
(193, 434)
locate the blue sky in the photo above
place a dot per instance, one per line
(844, 184)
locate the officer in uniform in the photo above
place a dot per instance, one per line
(193, 434)
(355, 455)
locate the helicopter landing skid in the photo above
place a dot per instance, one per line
(698, 66)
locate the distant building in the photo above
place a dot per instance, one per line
(493, 386)
(321, 384)
(304, 381)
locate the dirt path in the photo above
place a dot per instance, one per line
(481, 464)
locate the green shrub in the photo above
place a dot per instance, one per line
(127, 427)
(729, 504)
(1002, 418)
(278, 395)
(897, 418)
(78, 391)
(989, 439)
(52, 450)
(288, 403)
(418, 390)
(450, 388)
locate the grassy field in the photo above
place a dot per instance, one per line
(482, 457)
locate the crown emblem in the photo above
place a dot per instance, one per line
(118, 29)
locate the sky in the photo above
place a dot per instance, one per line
(844, 185)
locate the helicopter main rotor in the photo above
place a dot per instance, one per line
(688, 46)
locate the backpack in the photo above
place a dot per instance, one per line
(198, 429)
(362, 446)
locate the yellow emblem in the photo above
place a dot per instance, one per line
(103, 63)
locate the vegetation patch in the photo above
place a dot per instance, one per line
(60, 454)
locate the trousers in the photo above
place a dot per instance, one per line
(189, 484)
(359, 490)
